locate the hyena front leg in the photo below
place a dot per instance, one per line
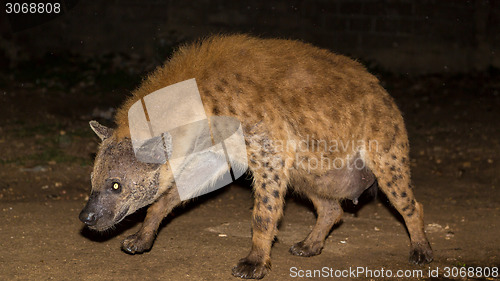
(329, 213)
(143, 239)
(270, 183)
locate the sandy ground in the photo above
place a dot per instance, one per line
(46, 152)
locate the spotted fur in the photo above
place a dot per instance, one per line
(287, 93)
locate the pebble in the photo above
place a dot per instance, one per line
(35, 169)
(433, 228)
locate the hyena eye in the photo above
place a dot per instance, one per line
(116, 187)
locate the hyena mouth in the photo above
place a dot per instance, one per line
(121, 215)
(103, 226)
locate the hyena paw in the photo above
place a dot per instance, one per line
(306, 250)
(421, 253)
(137, 243)
(251, 270)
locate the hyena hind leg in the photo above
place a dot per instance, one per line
(393, 175)
(329, 213)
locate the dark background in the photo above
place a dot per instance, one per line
(399, 36)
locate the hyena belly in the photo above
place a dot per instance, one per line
(344, 182)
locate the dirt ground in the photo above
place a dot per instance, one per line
(47, 149)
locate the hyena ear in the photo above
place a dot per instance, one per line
(101, 131)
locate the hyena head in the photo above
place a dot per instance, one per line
(120, 183)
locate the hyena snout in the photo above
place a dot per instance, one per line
(90, 215)
(89, 218)
(97, 216)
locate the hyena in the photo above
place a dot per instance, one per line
(290, 98)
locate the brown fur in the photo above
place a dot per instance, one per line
(286, 91)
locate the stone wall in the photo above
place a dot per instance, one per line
(397, 35)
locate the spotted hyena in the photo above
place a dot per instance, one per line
(314, 121)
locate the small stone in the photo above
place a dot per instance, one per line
(35, 169)
(433, 228)
(222, 235)
(376, 228)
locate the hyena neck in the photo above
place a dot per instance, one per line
(166, 181)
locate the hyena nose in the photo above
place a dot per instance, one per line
(89, 218)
